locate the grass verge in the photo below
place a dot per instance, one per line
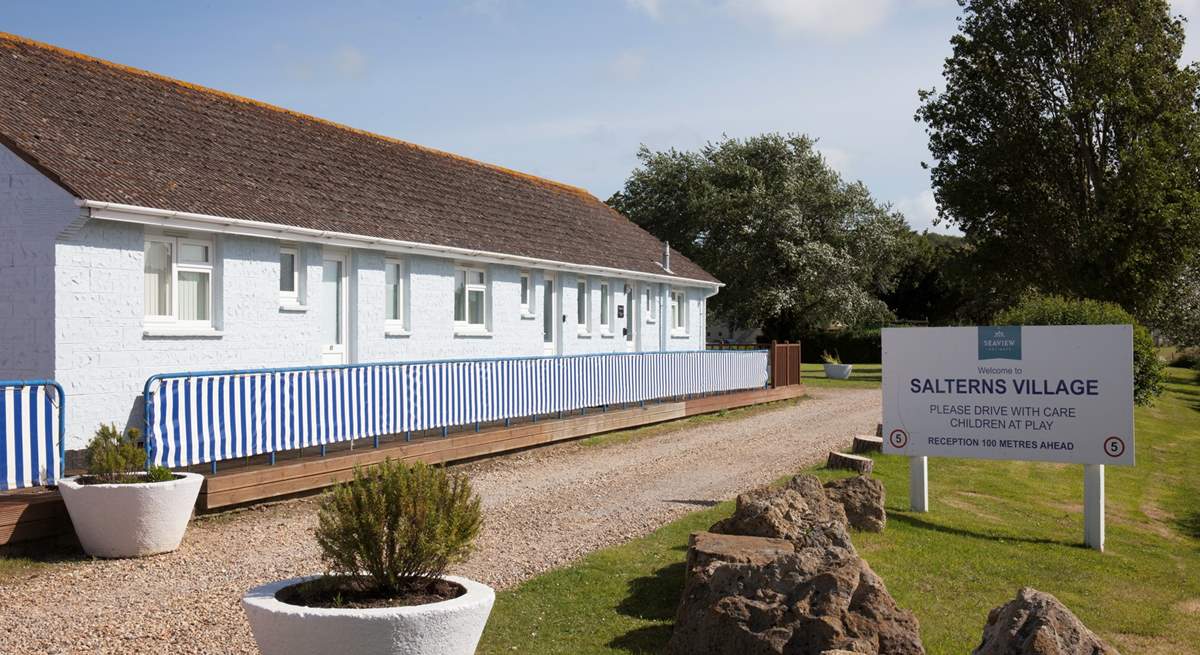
(994, 527)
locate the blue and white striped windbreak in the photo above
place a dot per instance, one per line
(208, 417)
(30, 434)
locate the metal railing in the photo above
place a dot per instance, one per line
(32, 433)
(201, 417)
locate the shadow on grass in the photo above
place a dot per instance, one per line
(654, 598)
(915, 522)
(1189, 524)
(698, 503)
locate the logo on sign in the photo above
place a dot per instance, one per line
(1114, 446)
(1000, 342)
(898, 438)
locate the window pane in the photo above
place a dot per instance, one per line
(476, 277)
(460, 297)
(158, 278)
(287, 272)
(581, 303)
(604, 304)
(395, 292)
(525, 291)
(193, 253)
(193, 296)
(331, 302)
(548, 317)
(475, 303)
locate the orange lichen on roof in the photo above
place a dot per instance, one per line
(7, 40)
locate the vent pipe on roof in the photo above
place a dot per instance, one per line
(666, 262)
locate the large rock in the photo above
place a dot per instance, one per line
(862, 499)
(800, 513)
(705, 548)
(806, 603)
(1036, 623)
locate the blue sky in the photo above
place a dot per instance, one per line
(567, 90)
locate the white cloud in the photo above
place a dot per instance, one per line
(814, 17)
(627, 66)
(652, 8)
(921, 211)
(350, 62)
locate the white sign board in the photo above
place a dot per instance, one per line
(1056, 394)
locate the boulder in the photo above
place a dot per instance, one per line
(805, 603)
(862, 500)
(707, 547)
(800, 513)
(1036, 623)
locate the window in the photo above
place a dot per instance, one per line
(678, 312)
(470, 297)
(605, 312)
(526, 291)
(582, 306)
(178, 281)
(289, 277)
(394, 288)
(651, 305)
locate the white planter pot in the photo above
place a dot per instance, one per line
(131, 520)
(449, 627)
(838, 371)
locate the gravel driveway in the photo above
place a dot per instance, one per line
(543, 508)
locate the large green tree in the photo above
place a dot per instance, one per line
(1065, 144)
(796, 245)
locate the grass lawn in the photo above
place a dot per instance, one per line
(861, 376)
(994, 527)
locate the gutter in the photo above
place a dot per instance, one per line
(112, 211)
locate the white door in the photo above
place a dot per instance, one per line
(551, 321)
(629, 309)
(333, 310)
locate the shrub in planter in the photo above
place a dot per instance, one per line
(386, 538)
(119, 510)
(834, 368)
(1037, 309)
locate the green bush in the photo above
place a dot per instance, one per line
(115, 458)
(400, 524)
(1037, 309)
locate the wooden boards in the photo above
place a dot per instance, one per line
(32, 514)
(265, 481)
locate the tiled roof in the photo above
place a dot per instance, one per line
(111, 133)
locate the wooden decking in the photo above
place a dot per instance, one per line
(31, 514)
(36, 514)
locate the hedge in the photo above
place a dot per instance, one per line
(1037, 309)
(853, 347)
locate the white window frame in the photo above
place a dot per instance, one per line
(397, 324)
(679, 313)
(172, 320)
(651, 304)
(290, 298)
(464, 326)
(526, 291)
(606, 308)
(584, 321)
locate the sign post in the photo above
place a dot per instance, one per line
(1054, 394)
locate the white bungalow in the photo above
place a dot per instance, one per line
(151, 226)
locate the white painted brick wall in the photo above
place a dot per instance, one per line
(33, 210)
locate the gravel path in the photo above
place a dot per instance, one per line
(543, 508)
